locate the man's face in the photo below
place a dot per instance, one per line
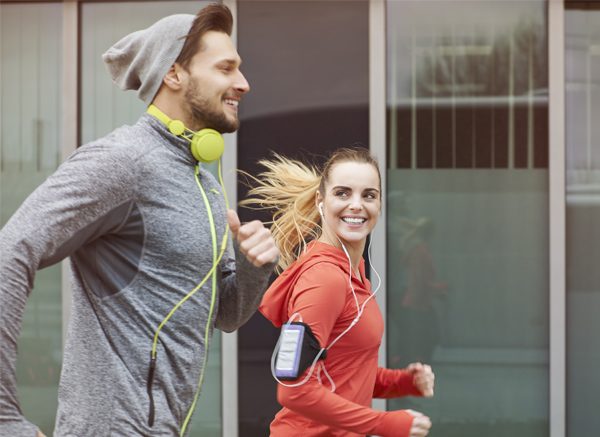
(215, 84)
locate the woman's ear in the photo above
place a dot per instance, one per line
(319, 202)
(318, 199)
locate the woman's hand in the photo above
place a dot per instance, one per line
(423, 378)
(420, 425)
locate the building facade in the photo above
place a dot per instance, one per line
(482, 115)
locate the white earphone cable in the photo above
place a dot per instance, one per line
(359, 312)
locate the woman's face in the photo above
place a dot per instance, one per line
(352, 201)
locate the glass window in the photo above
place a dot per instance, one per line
(582, 77)
(307, 63)
(467, 281)
(30, 98)
(104, 107)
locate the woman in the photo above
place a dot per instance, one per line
(325, 286)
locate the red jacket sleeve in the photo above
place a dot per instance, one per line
(393, 383)
(319, 297)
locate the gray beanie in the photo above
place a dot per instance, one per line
(140, 60)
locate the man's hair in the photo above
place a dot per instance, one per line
(215, 17)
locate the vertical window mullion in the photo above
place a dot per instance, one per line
(377, 141)
(229, 341)
(69, 128)
(557, 280)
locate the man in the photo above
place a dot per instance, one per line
(143, 224)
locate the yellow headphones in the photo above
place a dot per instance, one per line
(206, 145)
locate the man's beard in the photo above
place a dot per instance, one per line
(202, 113)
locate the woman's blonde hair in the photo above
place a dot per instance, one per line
(288, 188)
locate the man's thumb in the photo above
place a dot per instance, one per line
(234, 221)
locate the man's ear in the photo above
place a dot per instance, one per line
(174, 77)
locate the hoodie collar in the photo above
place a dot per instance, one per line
(274, 304)
(178, 145)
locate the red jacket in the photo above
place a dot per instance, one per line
(316, 286)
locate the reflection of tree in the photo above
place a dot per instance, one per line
(415, 293)
(485, 64)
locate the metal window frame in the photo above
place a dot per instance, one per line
(557, 217)
(70, 122)
(377, 144)
(229, 341)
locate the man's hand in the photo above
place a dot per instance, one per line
(40, 434)
(421, 424)
(255, 241)
(423, 378)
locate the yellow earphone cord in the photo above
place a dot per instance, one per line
(212, 272)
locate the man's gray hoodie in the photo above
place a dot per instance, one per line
(127, 210)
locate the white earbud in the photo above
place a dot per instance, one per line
(320, 207)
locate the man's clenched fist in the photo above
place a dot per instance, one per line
(255, 241)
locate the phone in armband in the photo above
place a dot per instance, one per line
(298, 349)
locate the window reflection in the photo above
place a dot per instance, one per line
(30, 93)
(467, 210)
(308, 65)
(582, 75)
(469, 89)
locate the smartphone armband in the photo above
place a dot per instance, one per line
(297, 350)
